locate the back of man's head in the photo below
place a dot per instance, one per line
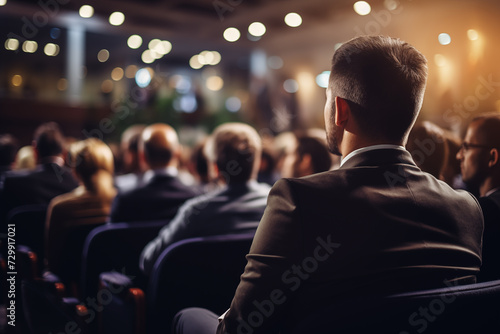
(383, 79)
(160, 145)
(488, 129)
(48, 140)
(8, 149)
(236, 150)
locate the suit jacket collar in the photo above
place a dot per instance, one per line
(380, 157)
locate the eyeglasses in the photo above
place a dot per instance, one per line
(466, 146)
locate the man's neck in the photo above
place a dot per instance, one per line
(488, 185)
(352, 142)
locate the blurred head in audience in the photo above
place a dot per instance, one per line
(25, 158)
(48, 141)
(92, 162)
(428, 147)
(234, 153)
(130, 148)
(308, 156)
(159, 146)
(8, 148)
(199, 164)
(479, 154)
(451, 170)
(372, 99)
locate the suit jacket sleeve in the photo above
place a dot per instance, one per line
(265, 286)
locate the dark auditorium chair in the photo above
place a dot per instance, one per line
(47, 310)
(116, 247)
(29, 222)
(123, 307)
(202, 272)
(463, 309)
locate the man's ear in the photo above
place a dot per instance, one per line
(493, 157)
(342, 112)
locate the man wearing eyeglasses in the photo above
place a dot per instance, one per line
(480, 165)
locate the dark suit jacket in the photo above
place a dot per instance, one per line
(158, 199)
(490, 270)
(377, 225)
(236, 208)
(34, 187)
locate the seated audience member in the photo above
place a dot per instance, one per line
(71, 216)
(133, 172)
(377, 225)
(428, 148)
(8, 149)
(267, 170)
(233, 152)
(479, 159)
(451, 172)
(162, 193)
(309, 155)
(49, 179)
(25, 158)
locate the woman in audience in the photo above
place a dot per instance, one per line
(71, 216)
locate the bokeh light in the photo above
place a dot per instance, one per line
(293, 20)
(362, 8)
(232, 34)
(116, 18)
(134, 41)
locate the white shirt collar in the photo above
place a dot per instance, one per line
(370, 148)
(491, 192)
(168, 171)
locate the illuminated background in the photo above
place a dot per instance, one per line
(196, 63)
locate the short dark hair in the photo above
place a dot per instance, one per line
(320, 156)
(8, 149)
(236, 148)
(49, 140)
(489, 129)
(383, 80)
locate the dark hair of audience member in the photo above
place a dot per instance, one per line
(488, 128)
(320, 156)
(8, 149)
(236, 149)
(92, 161)
(49, 140)
(199, 161)
(384, 95)
(428, 147)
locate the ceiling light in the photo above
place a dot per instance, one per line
(194, 62)
(143, 78)
(362, 8)
(444, 39)
(147, 57)
(291, 86)
(30, 46)
(11, 44)
(86, 11)
(134, 41)
(17, 80)
(51, 49)
(231, 34)
(257, 29)
(117, 74)
(472, 34)
(103, 55)
(215, 83)
(293, 20)
(116, 18)
(3, 2)
(322, 79)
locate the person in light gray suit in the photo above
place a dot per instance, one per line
(233, 152)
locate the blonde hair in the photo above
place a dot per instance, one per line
(92, 161)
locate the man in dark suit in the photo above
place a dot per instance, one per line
(50, 178)
(376, 225)
(233, 152)
(162, 194)
(479, 159)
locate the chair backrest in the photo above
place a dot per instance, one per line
(466, 309)
(116, 246)
(30, 227)
(123, 308)
(202, 272)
